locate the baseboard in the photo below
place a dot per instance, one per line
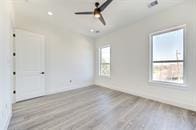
(51, 92)
(65, 89)
(165, 101)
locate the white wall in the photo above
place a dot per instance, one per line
(130, 57)
(69, 56)
(5, 64)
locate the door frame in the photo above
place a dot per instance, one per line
(14, 54)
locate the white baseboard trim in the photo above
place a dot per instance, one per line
(8, 121)
(51, 92)
(64, 90)
(143, 95)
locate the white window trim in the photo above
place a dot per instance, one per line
(165, 83)
(99, 49)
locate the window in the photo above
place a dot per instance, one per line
(104, 61)
(167, 56)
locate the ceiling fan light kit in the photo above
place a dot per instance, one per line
(97, 14)
(97, 11)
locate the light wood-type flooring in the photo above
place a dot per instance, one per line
(97, 108)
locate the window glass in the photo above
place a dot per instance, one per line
(168, 56)
(105, 61)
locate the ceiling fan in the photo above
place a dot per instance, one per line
(97, 11)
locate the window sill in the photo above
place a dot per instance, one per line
(104, 77)
(168, 84)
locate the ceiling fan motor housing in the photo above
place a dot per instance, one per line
(97, 4)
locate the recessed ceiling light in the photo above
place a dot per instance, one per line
(50, 13)
(92, 30)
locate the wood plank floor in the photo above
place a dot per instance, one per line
(97, 108)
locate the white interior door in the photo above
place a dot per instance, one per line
(30, 65)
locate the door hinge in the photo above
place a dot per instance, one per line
(14, 54)
(14, 92)
(14, 73)
(14, 35)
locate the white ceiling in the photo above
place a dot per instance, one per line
(118, 14)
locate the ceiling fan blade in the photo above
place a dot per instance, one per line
(102, 20)
(83, 13)
(104, 5)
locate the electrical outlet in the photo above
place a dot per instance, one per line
(70, 81)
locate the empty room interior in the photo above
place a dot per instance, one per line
(97, 65)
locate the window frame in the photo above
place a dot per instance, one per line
(167, 83)
(100, 56)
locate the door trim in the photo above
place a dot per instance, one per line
(14, 63)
